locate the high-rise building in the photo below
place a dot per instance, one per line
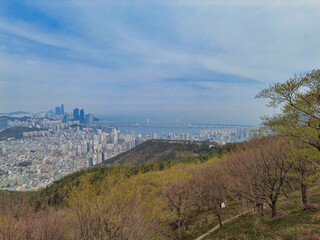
(76, 115)
(62, 109)
(153, 135)
(89, 118)
(65, 118)
(91, 162)
(114, 136)
(58, 111)
(102, 157)
(82, 119)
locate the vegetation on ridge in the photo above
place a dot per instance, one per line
(162, 150)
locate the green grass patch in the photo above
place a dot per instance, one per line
(291, 223)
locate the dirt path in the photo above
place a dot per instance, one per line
(217, 227)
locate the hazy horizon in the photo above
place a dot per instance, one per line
(192, 60)
(183, 118)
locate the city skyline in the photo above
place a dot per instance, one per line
(39, 149)
(154, 59)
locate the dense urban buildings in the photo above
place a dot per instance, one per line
(63, 143)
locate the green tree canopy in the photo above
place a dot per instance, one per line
(299, 99)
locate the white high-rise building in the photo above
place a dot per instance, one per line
(115, 136)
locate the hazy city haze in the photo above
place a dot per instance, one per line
(202, 60)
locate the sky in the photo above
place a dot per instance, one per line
(195, 60)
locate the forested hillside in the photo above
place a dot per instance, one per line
(162, 150)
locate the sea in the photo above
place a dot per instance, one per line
(148, 126)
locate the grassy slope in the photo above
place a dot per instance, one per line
(292, 223)
(200, 223)
(160, 150)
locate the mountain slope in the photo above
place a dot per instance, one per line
(161, 150)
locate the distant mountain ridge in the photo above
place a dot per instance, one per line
(16, 132)
(15, 113)
(24, 118)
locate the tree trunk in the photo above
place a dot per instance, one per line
(198, 209)
(180, 233)
(274, 210)
(220, 220)
(304, 194)
(261, 210)
(259, 206)
(252, 208)
(180, 229)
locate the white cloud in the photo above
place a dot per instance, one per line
(265, 41)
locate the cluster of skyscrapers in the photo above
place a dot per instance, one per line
(81, 116)
(59, 110)
(77, 115)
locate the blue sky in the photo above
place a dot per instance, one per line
(165, 59)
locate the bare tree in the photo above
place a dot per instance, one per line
(261, 170)
(178, 196)
(196, 193)
(213, 185)
(234, 173)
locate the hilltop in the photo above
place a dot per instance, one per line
(162, 150)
